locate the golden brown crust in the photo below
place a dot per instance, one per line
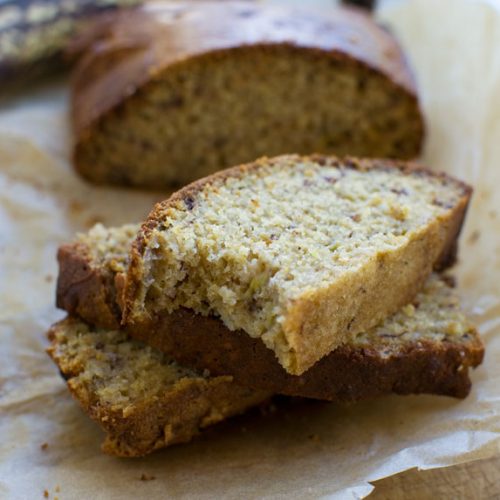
(130, 49)
(176, 416)
(84, 289)
(347, 374)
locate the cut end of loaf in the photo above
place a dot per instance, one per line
(167, 113)
(301, 252)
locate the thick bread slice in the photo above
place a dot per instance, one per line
(427, 347)
(141, 398)
(177, 90)
(301, 252)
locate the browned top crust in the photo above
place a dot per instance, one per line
(349, 373)
(129, 49)
(185, 197)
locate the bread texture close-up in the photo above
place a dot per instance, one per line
(426, 347)
(174, 91)
(302, 253)
(142, 398)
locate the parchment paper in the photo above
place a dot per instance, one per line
(300, 450)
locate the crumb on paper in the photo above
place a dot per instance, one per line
(44, 446)
(45, 494)
(147, 477)
(49, 278)
(314, 438)
(473, 237)
(493, 214)
(58, 488)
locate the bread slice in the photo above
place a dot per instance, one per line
(426, 347)
(302, 253)
(177, 90)
(141, 398)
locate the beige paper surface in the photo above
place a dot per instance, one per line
(301, 450)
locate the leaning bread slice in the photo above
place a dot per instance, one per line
(142, 399)
(428, 346)
(302, 253)
(174, 91)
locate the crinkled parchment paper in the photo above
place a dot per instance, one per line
(300, 450)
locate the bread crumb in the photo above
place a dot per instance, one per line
(147, 477)
(409, 310)
(127, 411)
(473, 237)
(58, 489)
(454, 328)
(49, 278)
(44, 446)
(45, 494)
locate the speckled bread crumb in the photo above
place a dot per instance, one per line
(428, 346)
(109, 247)
(301, 252)
(142, 398)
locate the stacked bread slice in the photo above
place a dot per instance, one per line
(142, 398)
(306, 276)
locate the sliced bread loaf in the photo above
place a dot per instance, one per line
(302, 253)
(177, 90)
(426, 347)
(142, 399)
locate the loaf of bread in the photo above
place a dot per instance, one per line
(302, 253)
(177, 90)
(142, 399)
(426, 347)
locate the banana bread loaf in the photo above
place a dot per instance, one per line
(177, 90)
(142, 398)
(302, 253)
(426, 347)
